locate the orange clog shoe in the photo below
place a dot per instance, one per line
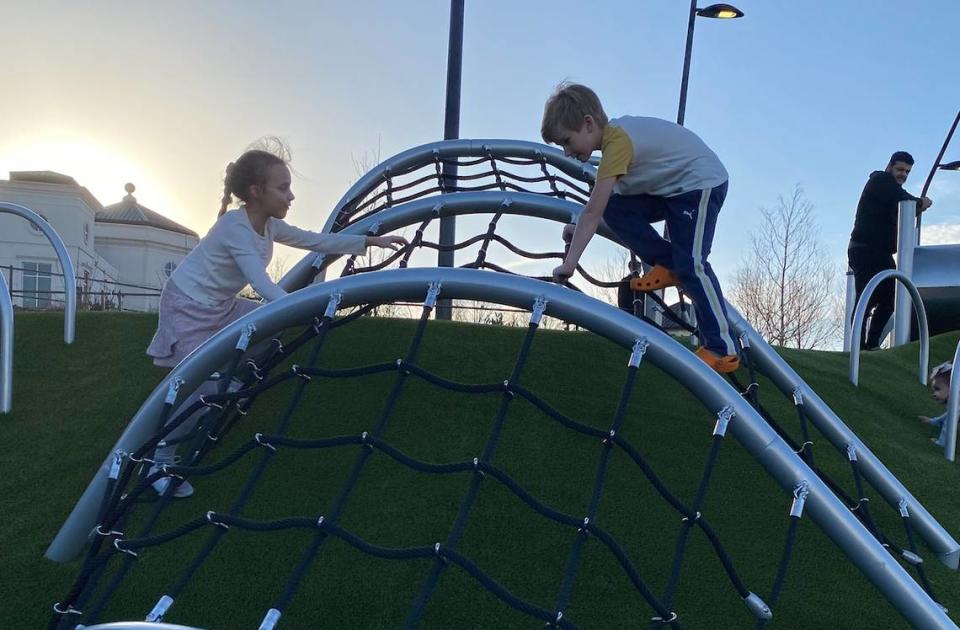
(659, 277)
(721, 364)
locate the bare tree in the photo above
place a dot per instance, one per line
(785, 286)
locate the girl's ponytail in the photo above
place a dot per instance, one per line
(227, 197)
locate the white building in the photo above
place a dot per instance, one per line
(122, 253)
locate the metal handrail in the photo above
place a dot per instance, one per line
(6, 347)
(860, 314)
(66, 264)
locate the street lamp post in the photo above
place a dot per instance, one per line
(720, 11)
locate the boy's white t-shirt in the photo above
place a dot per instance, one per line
(657, 157)
(233, 255)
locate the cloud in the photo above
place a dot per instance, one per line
(943, 234)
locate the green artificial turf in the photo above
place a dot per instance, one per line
(72, 402)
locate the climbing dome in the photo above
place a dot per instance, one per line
(357, 484)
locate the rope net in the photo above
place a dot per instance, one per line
(329, 475)
(497, 170)
(449, 488)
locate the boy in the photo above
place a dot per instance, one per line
(940, 388)
(651, 170)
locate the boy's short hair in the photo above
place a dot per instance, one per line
(901, 156)
(565, 110)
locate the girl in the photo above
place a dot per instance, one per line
(200, 297)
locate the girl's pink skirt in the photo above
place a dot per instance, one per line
(185, 323)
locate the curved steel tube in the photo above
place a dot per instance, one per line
(6, 347)
(624, 329)
(448, 149)
(839, 434)
(66, 265)
(953, 409)
(453, 204)
(861, 312)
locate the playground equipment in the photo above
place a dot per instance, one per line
(393, 196)
(6, 304)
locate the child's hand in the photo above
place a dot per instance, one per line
(563, 272)
(388, 242)
(925, 419)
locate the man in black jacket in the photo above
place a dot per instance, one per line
(874, 239)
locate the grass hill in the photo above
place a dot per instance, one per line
(71, 403)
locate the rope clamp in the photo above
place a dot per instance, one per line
(335, 298)
(797, 397)
(160, 609)
(800, 492)
(506, 203)
(245, 335)
(279, 343)
(432, 293)
(259, 438)
(99, 530)
(851, 452)
(724, 416)
(255, 368)
(558, 617)
(320, 522)
(744, 340)
(670, 619)
(439, 554)
(640, 346)
(116, 464)
(610, 436)
(911, 557)
(539, 306)
(803, 447)
(585, 526)
(437, 208)
(507, 390)
(375, 228)
(296, 370)
(172, 390)
(203, 399)
(209, 516)
(904, 510)
(70, 610)
(116, 545)
(363, 440)
(686, 519)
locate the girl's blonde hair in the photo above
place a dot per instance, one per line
(565, 109)
(250, 169)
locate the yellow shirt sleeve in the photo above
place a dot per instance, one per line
(617, 153)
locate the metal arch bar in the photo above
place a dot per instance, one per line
(66, 265)
(452, 204)
(448, 149)
(861, 312)
(6, 347)
(840, 435)
(709, 387)
(953, 409)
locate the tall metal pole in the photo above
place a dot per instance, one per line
(686, 62)
(936, 165)
(451, 131)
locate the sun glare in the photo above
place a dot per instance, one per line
(99, 169)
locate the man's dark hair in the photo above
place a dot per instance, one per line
(901, 156)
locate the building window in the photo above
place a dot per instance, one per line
(36, 284)
(169, 268)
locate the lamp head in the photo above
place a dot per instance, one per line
(721, 11)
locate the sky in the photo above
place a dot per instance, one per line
(164, 95)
